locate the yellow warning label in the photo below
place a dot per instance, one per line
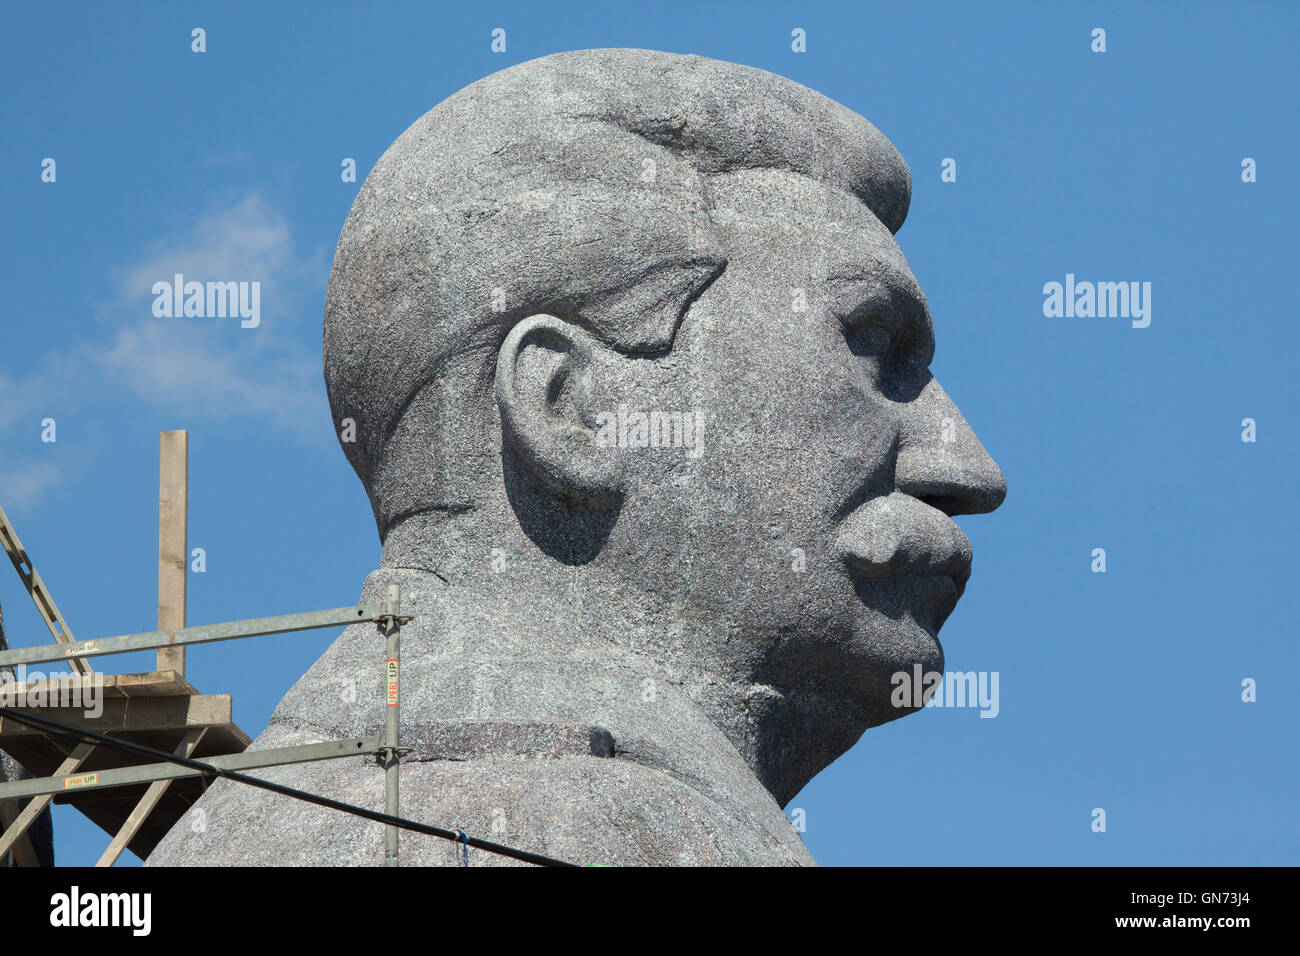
(82, 780)
(392, 683)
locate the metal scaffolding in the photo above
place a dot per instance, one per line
(160, 712)
(72, 781)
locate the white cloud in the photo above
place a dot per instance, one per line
(248, 241)
(23, 485)
(213, 368)
(181, 370)
(200, 369)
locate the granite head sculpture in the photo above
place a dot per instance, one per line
(622, 343)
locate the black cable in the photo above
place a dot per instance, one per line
(44, 723)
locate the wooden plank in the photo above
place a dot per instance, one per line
(154, 684)
(173, 538)
(15, 834)
(132, 714)
(147, 803)
(41, 755)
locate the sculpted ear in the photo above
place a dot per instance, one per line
(543, 388)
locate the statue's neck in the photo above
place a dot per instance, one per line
(601, 637)
(493, 682)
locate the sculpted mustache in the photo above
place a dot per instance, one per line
(898, 534)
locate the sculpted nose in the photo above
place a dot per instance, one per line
(941, 461)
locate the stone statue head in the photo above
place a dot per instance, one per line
(621, 344)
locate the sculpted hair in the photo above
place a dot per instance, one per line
(595, 209)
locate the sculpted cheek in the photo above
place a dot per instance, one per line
(861, 436)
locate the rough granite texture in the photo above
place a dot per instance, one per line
(41, 833)
(635, 375)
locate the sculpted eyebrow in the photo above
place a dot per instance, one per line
(890, 292)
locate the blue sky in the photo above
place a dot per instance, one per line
(1119, 690)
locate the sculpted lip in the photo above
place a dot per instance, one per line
(896, 536)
